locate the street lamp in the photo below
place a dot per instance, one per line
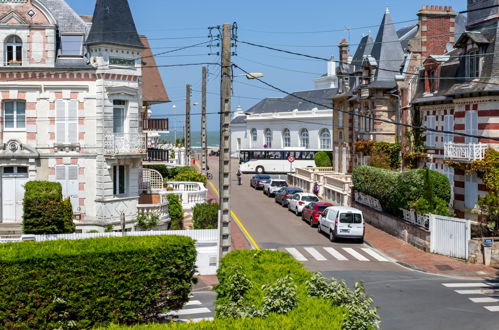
(252, 75)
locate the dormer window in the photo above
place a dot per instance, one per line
(472, 64)
(13, 51)
(71, 45)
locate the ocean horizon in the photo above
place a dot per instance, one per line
(213, 139)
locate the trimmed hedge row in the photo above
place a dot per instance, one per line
(170, 172)
(322, 159)
(95, 282)
(205, 216)
(396, 190)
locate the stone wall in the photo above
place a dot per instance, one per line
(417, 236)
(476, 252)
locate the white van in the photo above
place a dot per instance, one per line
(342, 221)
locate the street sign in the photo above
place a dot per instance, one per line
(488, 242)
(291, 159)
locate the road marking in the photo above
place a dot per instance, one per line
(492, 308)
(193, 302)
(296, 254)
(479, 291)
(335, 254)
(355, 254)
(374, 254)
(316, 254)
(471, 285)
(190, 311)
(484, 300)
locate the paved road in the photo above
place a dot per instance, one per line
(407, 299)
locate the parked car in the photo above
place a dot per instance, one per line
(298, 201)
(274, 186)
(313, 211)
(283, 195)
(342, 221)
(259, 180)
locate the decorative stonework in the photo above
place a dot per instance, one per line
(13, 1)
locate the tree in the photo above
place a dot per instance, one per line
(322, 159)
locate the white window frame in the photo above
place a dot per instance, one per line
(448, 126)
(472, 64)
(15, 123)
(17, 43)
(304, 138)
(430, 135)
(119, 170)
(123, 109)
(471, 126)
(286, 138)
(325, 141)
(61, 54)
(254, 137)
(68, 177)
(69, 122)
(268, 138)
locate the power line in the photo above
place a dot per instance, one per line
(369, 117)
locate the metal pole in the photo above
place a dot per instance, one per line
(204, 150)
(187, 124)
(224, 165)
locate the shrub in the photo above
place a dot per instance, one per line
(147, 221)
(376, 182)
(191, 177)
(322, 159)
(176, 212)
(169, 173)
(45, 212)
(205, 216)
(90, 283)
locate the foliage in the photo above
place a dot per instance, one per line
(322, 159)
(438, 206)
(45, 212)
(376, 182)
(205, 216)
(147, 221)
(280, 297)
(169, 173)
(418, 136)
(108, 229)
(361, 313)
(176, 212)
(411, 159)
(94, 282)
(383, 154)
(190, 177)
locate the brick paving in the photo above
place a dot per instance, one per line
(415, 258)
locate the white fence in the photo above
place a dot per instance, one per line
(207, 242)
(450, 236)
(421, 220)
(190, 193)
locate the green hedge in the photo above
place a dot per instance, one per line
(396, 190)
(169, 173)
(44, 210)
(322, 159)
(191, 177)
(176, 212)
(85, 283)
(205, 216)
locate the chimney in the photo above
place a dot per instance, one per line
(437, 29)
(343, 52)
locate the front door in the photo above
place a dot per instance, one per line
(13, 181)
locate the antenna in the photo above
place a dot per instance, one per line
(348, 29)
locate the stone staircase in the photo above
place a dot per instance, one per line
(10, 230)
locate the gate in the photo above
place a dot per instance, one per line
(449, 236)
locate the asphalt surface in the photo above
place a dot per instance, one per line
(407, 299)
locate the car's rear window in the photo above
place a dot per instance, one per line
(321, 208)
(309, 199)
(279, 184)
(350, 218)
(263, 177)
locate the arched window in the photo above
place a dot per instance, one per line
(254, 137)
(268, 138)
(286, 138)
(304, 138)
(13, 50)
(325, 139)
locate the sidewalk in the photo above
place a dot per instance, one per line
(415, 258)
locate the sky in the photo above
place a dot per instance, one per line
(312, 27)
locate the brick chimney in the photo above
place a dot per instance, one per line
(437, 29)
(344, 51)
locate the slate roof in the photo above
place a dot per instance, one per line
(407, 33)
(365, 48)
(387, 50)
(113, 24)
(239, 120)
(153, 90)
(67, 19)
(291, 103)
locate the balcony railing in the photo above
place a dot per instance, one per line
(155, 124)
(127, 143)
(157, 155)
(465, 151)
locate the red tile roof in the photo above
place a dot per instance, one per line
(153, 90)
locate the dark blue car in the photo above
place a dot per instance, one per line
(259, 180)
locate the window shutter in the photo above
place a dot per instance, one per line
(60, 176)
(73, 186)
(430, 135)
(448, 126)
(474, 125)
(60, 121)
(72, 122)
(470, 191)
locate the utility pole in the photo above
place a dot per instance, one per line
(204, 150)
(187, 141)
(224, 165)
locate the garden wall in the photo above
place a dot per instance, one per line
(476, 252)
(408, 232)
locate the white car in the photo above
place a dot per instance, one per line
(298, 201)
(274, 186)
(342, 221)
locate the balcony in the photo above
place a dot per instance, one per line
(127, 143)
(157, 155)
(465, 151)
(155, 124)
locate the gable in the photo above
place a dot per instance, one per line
(12, 18)
(24, 12)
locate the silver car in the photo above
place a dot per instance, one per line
(274, 186)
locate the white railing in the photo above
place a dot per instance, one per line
(190, 193)
(368, 201)
(466, 151)
(159, 209)
(340, 183)
(127, 143)
(421, 220)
